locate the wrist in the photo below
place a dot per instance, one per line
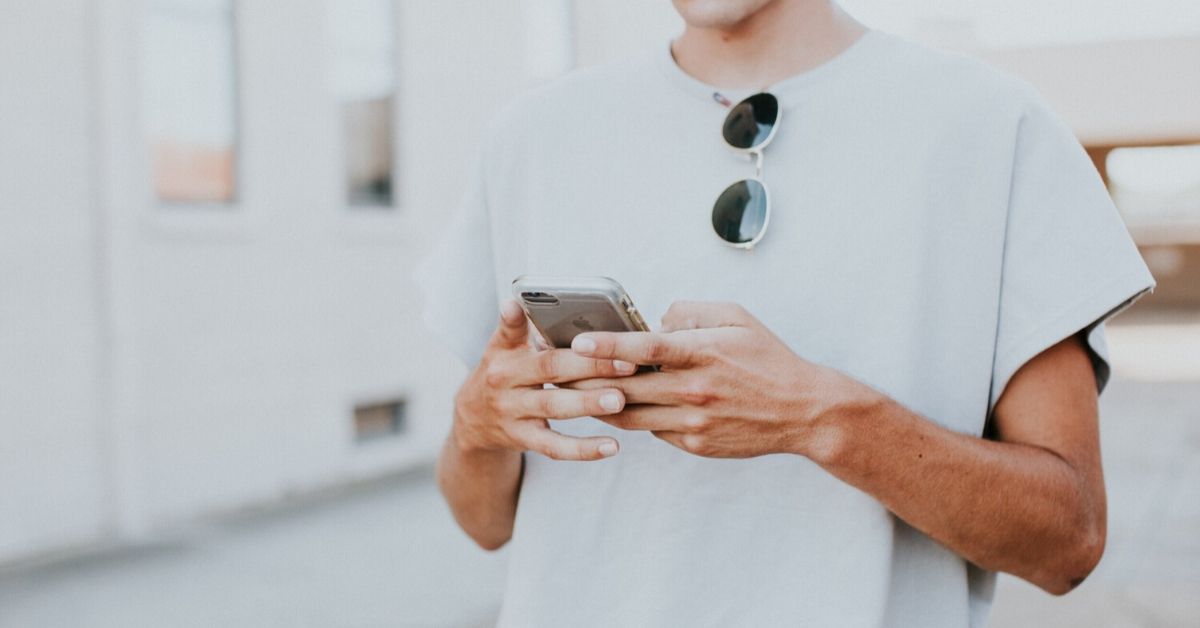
(835, 416)
(463, 435)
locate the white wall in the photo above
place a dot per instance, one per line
(52, 474)
(163, 363)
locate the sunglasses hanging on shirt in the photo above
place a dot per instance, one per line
(740, 214)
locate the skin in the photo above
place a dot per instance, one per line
(1029, 501)
(502, 410)
(749, 44)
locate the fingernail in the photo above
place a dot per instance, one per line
(610, 402)
(608, 449)
(510, 311)
(624, 367)
(583, 344)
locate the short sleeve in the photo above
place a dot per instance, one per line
(1069, 262)
(457, 277)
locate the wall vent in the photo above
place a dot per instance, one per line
(379, 420)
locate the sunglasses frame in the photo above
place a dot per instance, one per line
(749, 244)
(754, 153)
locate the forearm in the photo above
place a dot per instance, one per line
(1008, 507)
(481, 487)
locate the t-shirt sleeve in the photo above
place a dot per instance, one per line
(457, 277)
(1069, 262)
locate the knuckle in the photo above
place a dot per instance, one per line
(654, 351)
(608, 369)
(601, 368)
(495, 375)
(730, 310)
(503, 406)
(547, 365)
(519, 439)
(680, 316)
(697, 392)
(607, 344)
(694, 443)
(708, 352)
(672, 312)
(544, 405)
(697, 423)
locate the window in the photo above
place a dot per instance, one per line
(378, 420)
(1158, 186)
(363, 81)
(189, 99)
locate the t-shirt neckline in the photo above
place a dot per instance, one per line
(788, 90)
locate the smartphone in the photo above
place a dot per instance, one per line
(564, 307)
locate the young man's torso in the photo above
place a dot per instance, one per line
(891, 180)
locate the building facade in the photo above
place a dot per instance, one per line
(205, 301)
(162, 361)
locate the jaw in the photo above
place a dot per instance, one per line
(718, 14)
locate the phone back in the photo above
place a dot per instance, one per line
(564, 307)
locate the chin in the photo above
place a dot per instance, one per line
(717, 13)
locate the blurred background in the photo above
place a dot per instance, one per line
(217, 403)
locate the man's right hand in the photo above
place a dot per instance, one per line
(504, 406)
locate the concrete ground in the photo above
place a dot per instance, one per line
(385, 554)
(388, 554)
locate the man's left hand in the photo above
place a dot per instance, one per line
(727, 388)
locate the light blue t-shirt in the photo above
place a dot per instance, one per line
(934, 226)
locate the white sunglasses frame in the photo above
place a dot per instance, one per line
(755, 153)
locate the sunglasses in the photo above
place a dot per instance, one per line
(741, 212)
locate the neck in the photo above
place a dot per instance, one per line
(784, 38)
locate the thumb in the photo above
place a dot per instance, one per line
(513, 330)
(703, 315)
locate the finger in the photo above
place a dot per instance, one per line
(653, 388)
(638, 347)
(557, 366)
(538, 437)
(513, 330)
(674, 438)
(563, 403)
(651, 418)
(704, 314)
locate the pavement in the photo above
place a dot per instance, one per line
(388, 553)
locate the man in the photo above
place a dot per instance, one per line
(858, 422)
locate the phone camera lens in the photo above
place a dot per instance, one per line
(539, 298)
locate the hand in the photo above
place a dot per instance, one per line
(728, 387)
(504, 406)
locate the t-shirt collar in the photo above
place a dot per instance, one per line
(789, 90)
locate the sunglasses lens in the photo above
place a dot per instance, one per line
(749, 122)
(740, 213)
